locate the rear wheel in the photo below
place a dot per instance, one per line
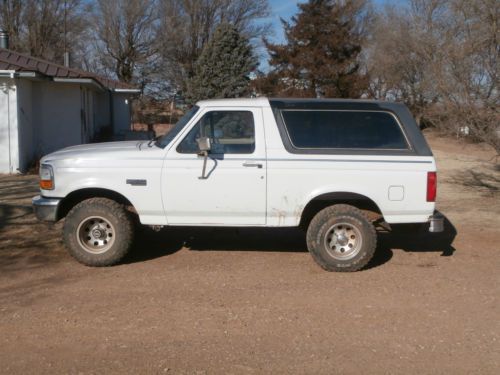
(341, 238)
(98, 232)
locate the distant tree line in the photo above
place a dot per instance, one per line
(440, 57)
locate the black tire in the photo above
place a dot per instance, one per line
(341, 238)
(110, 231)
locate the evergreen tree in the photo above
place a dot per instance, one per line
(320, 57)
(223, 67)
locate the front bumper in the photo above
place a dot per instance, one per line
(45, 208)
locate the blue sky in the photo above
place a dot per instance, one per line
(284, 9)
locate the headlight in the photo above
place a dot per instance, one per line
(46, 177)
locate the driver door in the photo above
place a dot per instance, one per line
(234, 190)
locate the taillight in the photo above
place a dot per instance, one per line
(431, 186)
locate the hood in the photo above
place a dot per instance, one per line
(107, 150)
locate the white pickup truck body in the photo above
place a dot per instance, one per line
(269, 185)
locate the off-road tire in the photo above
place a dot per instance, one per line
(322, 225)
(119, 219)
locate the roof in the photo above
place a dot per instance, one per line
(326, 103)
(18, 62)
(235, 102)
(291, 102)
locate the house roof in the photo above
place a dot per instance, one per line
(12, 60)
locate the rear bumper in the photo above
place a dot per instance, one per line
(45, 208)
(436, 223)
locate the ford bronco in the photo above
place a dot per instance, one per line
(337, 168)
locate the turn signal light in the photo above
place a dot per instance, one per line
(431, 186)
(46, 177)
(46, 184)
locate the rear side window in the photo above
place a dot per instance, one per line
(372, 130)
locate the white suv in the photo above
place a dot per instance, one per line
(334, 167)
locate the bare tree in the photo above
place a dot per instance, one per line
(45, 28)
(442, 58)
(126, 32)
(11, 17)
(468, 81)
(404, 51)
(187, 25)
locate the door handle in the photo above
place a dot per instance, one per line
(252, 164)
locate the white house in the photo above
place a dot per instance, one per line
(45, 106)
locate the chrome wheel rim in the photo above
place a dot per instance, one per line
(96, 234)
(343, 241)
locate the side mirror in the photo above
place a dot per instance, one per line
(204, 144)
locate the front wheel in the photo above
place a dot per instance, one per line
(98, 232)
(341, 238)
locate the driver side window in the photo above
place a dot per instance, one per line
(230, 132)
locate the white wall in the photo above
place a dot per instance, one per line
(9, 155)
(39, 117)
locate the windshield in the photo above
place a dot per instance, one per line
(167, 138)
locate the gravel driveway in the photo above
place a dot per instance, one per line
(211, 301)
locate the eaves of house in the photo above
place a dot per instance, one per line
(14, 64)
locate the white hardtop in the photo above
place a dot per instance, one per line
(265, 101)
(236, 102)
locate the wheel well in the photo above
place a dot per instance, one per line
(324, 200)
(77, 196)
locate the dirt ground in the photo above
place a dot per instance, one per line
(210, 301)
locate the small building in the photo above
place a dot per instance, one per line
(46, 106)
